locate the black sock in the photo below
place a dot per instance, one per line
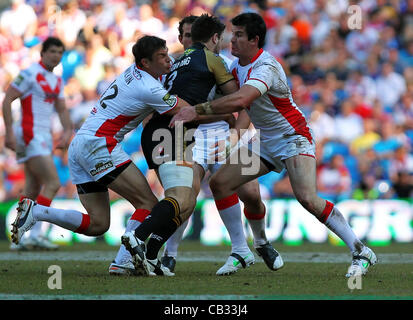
(158, 238)
(162, 214)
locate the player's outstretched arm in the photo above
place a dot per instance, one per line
(234, 102)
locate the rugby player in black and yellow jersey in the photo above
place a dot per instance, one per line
(192, 77)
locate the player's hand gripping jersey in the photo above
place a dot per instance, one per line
(40, 88)
(131, 97)
(284, 131)
(192, 77)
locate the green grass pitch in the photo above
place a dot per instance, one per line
(311, 271)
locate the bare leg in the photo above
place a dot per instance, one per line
(302, 173)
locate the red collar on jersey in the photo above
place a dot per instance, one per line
(257, 55)
(43, 66)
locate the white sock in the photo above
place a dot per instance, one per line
(257, 225)
(134, 221)
(123, 255)
(171, 247)
(230, 211)
(336, 223)
(68, 219)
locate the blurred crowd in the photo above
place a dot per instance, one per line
(349, 63)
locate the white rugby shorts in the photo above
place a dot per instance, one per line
(275, 151)
(41, 144)
(90, 158)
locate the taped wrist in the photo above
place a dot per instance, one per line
(204, 108)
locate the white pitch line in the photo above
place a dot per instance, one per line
(201, 256)
(202, 297)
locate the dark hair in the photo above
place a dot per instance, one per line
(145, 47)
(254, 26)
(205, 27)
(52, 41)
(188, 19)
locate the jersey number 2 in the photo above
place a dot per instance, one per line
(113, 87)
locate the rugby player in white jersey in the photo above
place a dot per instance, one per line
(41, 94)
(96, 158)
(285, 139)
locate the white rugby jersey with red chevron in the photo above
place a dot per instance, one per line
(274, 112)
(40, 88)
(129, 99)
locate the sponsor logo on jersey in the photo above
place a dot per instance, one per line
(100, 167)
(188, 51)
(170, 99)
(18, 80)
(94, 110)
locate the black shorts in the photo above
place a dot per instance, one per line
(162, 144)
(102, 183)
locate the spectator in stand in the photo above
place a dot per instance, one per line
(309, 71)
(89, 74)
(403, 185)
(359, 42)
(406, 55)
(388, 143)
(401, 162)
(123, 25)
(326, 55)
(148, 24)
(73, 19)
(390, 86)
(360, 83)
(294, 56)
(348, 125)
(19, 20)
(367, 140)
(280, 36)
(366, 189)
(403, 111)
(334, 179)
(321, 123)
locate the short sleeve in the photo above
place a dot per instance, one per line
(262, 77)
(23, 82)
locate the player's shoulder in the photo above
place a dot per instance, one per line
(133, 76)
(267, 59)
(31, 70)
(144, 84)
(226, 59)
(212, 55)
(215, 61)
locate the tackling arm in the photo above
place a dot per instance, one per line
(234, 102)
